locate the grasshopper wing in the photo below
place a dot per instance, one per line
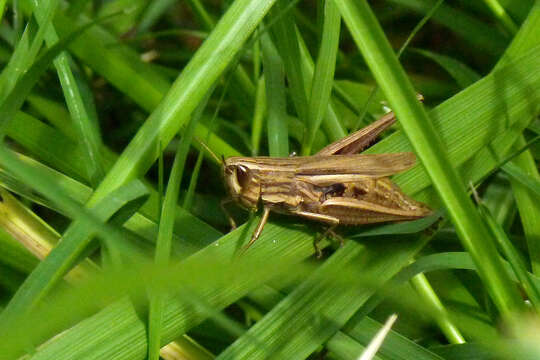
(359, 140)
(326, 170)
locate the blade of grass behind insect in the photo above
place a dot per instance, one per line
(411, 36)
(79, 101)
(165, 234)
(259, 113)
(285, 40)
(470, 29)
(323, 76)
(502, 16)
(463, 75)
(374, 46)
(331, 124)
(274, 79)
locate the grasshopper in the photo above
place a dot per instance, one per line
(336, 186)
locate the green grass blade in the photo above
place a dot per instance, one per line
(525, 179)
(525, 185)
(463, 75)
(529, 210)
(259, 113)
(79, 102)
(438, 310)
(278, 138)
(285, 40)
(395, 346)
(321, 296)
(189, 236)
(187, 91)
(332, 125)
(513, 257)
(50, 271)
(166, 227)
(152, 13)
(24, 85)
(392, 79)
(323, 77)
(500, 14)
(470, 29)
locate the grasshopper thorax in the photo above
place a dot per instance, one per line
(241, 182)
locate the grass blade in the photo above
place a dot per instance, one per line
(392, 79)
(323, 77)
(166, 227)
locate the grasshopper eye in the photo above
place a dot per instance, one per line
(242, 175)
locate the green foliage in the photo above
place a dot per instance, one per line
(92, 93)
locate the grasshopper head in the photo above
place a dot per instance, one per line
(241, 183)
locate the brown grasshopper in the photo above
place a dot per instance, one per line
(336, 186)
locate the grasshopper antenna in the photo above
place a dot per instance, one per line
(213, 155)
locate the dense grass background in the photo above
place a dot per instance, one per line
(112, 240)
